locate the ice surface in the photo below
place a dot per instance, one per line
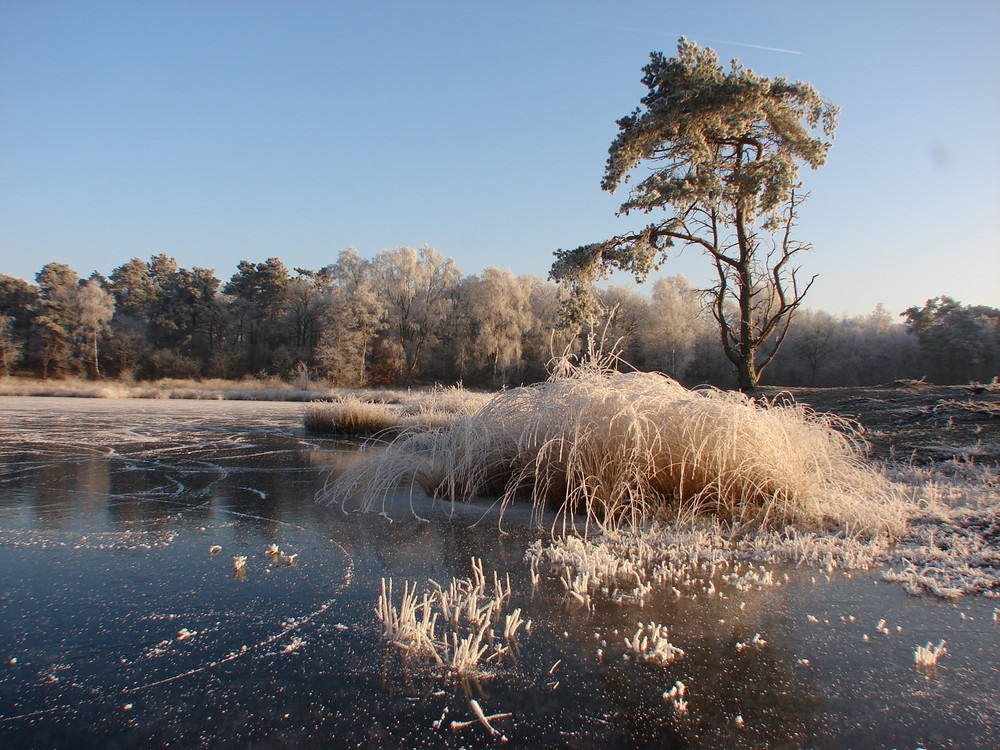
(117, 625)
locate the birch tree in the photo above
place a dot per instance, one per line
(94, 307)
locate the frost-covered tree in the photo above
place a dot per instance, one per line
(136, 285)
(415, 286)
(957, 342)
(10, 347)
(259, 294)
(621, 311)
(94, 307)
(548, 337)
(495, 316)
(19, 301)
(675, 329)
(305, 309)
(815, 342)
(719, 150)
(354, 315)
(825, 350)
(55, 320)
(165, 316)
(187, 311)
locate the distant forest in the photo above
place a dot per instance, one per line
(409, 316)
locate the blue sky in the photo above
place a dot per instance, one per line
(218, 130)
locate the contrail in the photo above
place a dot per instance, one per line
(752, 46)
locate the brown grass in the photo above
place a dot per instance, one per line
(354, 416)
(622, 449)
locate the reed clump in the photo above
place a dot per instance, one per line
(351, 417)
(458, 627)
(363, 415)
(621, 449)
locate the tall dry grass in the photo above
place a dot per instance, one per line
(359, 416)
(621, 449)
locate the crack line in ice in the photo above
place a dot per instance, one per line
(260, 493)
(291, 625)
(233, 655)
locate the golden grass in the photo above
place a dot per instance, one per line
(351, 418)
(360, 416)
(622, 449)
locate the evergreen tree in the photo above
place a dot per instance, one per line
(723, 150)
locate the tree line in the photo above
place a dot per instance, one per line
(409, 316)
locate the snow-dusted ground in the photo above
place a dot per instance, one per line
(118, 624)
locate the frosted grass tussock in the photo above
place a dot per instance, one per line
(467, 610)
(624, 448)
(351, 417)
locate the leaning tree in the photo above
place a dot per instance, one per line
(719, 150)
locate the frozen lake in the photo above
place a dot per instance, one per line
(120, 628)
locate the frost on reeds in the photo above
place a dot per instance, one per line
(650, 643)
(628, 567)
(620, 449)
(363, 415)
(675, 696)
(460, 628)
(926, 657)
